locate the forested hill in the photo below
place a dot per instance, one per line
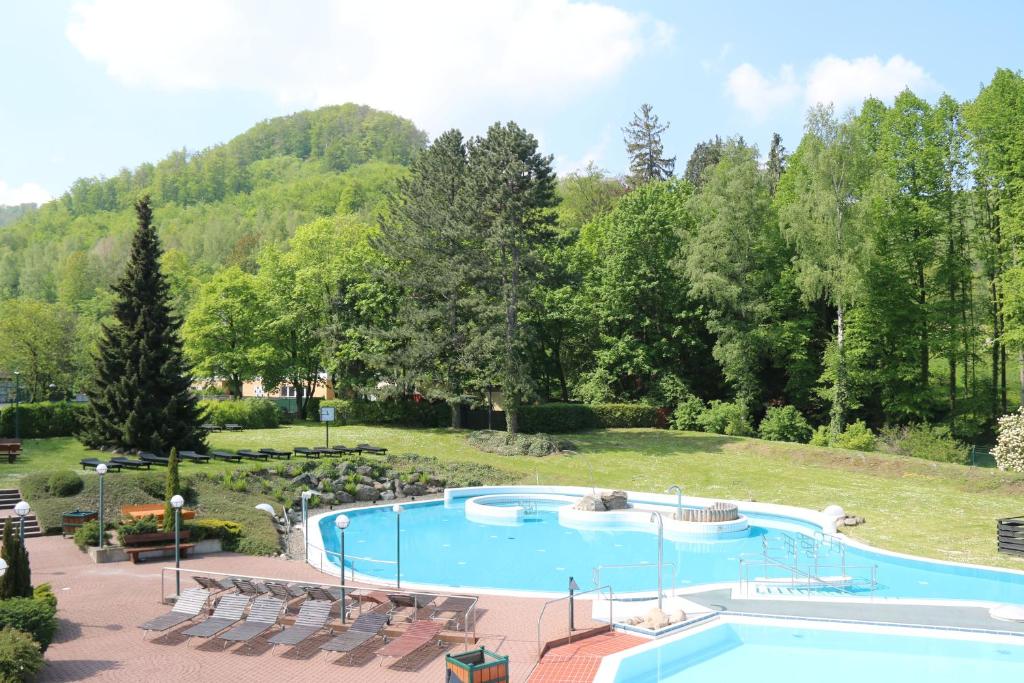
(215, 207)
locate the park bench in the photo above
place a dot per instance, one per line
(161, 542)
(10, 450)
(210, 427)
(232, 427)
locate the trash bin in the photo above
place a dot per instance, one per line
(71, 521)
(476, 666)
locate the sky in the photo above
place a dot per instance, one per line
(93, 86)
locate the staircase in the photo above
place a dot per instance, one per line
(8, 499)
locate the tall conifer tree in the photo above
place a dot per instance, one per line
(645, 148)
(141, 396)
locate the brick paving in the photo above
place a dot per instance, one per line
(578, 662)
(100, 607)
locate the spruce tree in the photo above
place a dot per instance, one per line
(645, 149)
(17, 579)
(705, 156)
(776, 163)
(172, 488)
(141, 397)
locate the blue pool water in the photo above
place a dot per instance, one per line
(783, 654)
(440, 546)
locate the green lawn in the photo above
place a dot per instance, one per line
(932, 509)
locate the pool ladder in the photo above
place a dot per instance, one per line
(800, 561)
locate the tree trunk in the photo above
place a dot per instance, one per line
(837, 422)
(512, 420)
(456, 409)
(922, 301)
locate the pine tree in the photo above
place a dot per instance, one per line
(645, 149)
(17, 579)
(704, 156)
(776, 163)
(172, 488)
(141, 397)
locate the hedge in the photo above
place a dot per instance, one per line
(35, 616)
(389, 412)
(251, 413)
(42, 420)
(562, 418)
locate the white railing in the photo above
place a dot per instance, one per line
(599, 590)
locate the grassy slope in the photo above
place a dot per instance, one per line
(933, 509)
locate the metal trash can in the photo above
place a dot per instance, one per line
(71, 521)
(476, 666)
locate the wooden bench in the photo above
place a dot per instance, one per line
(10, 449)
(162, 542)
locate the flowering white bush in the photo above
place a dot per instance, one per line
(1009, 450)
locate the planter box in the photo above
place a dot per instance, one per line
(477, 666)
(156, 538)
(115, 553)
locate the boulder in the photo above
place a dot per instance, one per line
(344, 468)
(413, 490)
(388, 495)
(435, 482)
(366, 480)
(379, 486)
(590, 504)
(294, 516)
(616, 500)
(366, 493)
(305, 479)
(364, 470)
(677, 616)
(327, 498)
(396, 485)
(656, 619)
(344, 497)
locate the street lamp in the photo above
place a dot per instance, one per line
(101, 469)
(306, 495)
(655, 517)
(398, 544)
(53, 390)
(573, 587)
(341, 521)
(679, 500)
(22, 509)
(17, 398)
(176, 503)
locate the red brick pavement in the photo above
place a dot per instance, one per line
(578, 662)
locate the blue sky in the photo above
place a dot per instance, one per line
(96, 85)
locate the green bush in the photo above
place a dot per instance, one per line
(42, 420)
(44, 592)
(820, 437)
(64, 483)
(563, 418)
(20, 656)
(612, 415)
(857, 437)
(88, 535)
(726, 418)
(504, 443)
(256, 546)
(143, 525)
(37, 617)
(785, 423)
(251, 413)
(925, 441)
(389, 412)
(686, 416)
(229, 533)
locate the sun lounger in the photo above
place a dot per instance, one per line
(307, 452)
(193, 456)
(153, 458)
(232, 427)
(416, 636)
(228, 612)
(131, 464)
(311, 619)
(187, 607)
(414, 601)
(284, 591)
(215, 585)
(367, 448)
(342, 449)
(224, 455)
(457, 608)
(362, 629)
(210, 427)
(274, 453)
(253, 455)
(95, 462)
(321, 593)
(262, 617)
(248, 586)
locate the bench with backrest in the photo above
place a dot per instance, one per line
(160, 542)
(10, 450)
(232, 427)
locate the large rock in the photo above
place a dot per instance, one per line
(616, 500)
(656, 619)
(367, 480)
(366, 493)
(304, 479)
(413, 490)
(590, 504)
(387, 495)
(327, 498)
(364, 470)
(344, 497)
(344, 468)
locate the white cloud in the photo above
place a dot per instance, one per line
(846, 83)
(26, 193)
(595, 154)
(759, 95)
(419, 59)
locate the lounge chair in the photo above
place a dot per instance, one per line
(262, 617)
(187, 607)
(458, 608)
(274, 453)
(253, 455)
(131, 464)
(224, 455)
(365, 627)
(210, 427)
(311, 619)
(321, 593)
(342, 449)
(416, 636)
(232, 427)
(153, 458)
(193, 456)
(415, 601)
(367, 448)
(284, 591)
(215, 585)
(248, 586)
(96, 462)
(228, 612)
(307, 452)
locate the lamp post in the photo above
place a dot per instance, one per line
(22, 509)
(101, 469)
(573, 587)
(17, 399)
(176, 503)
(655, 517)
(341, 521)
(398, 544)
(53, 391)
(679, 500)
(306, 495)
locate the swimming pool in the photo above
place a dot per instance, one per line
(537, 552)
(791, 651)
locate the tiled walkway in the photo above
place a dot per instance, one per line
(578, 662)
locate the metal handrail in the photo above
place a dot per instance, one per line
(599, 589)
(595, 573)
(795, 572)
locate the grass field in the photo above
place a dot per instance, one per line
(926, 508)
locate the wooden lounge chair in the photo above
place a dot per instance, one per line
(253, 455)
(187, 607)
(228, 612)
(307, 452)
(262, 617)
(193, 456)
(376, 450)
(457, 610)
(416, 636)
(248, 586)
(414, 601)
(232, 427)
(363, 628)
(274, 453)
(311, 619)
(321, 593)
(153, 458)
(342, 449)
(95, 462)
(131, 464)
(224, 455)
(285, 591)
(214, 585)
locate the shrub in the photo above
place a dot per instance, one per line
(785, 423)
(820, 436)
(20, 656)
(144, 525)
(36, 617)
(686, 416)
(391, 412)
(44, 592)
(1009, 448)
(88, 535)
(252, 413)
(504, 443)
(926, 442)
(42, 420)
(857, 437)
(612, 415)
(256, 546)
(561, 418)
(64, 483)
(228, 533)
(726, 418)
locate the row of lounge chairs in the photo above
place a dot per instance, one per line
(338, 450)
(146, 460)
(229, 427)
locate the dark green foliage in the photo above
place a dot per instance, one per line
(402, 412)
(686, 416)
(251, 413)
(20, 656)
(785, 423)
(562, 418)
(504, 443)
(64, 483)
(42, 420)
(142, 394)
(647, 160)
(256, 546)
(17, 579)
(144, 525)
(88, 535)
(172, 488)
(856, 437)
(924, 441)
(703, 158)
(612, 415)
(230, 534)
(35, 616)
(730, 419)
